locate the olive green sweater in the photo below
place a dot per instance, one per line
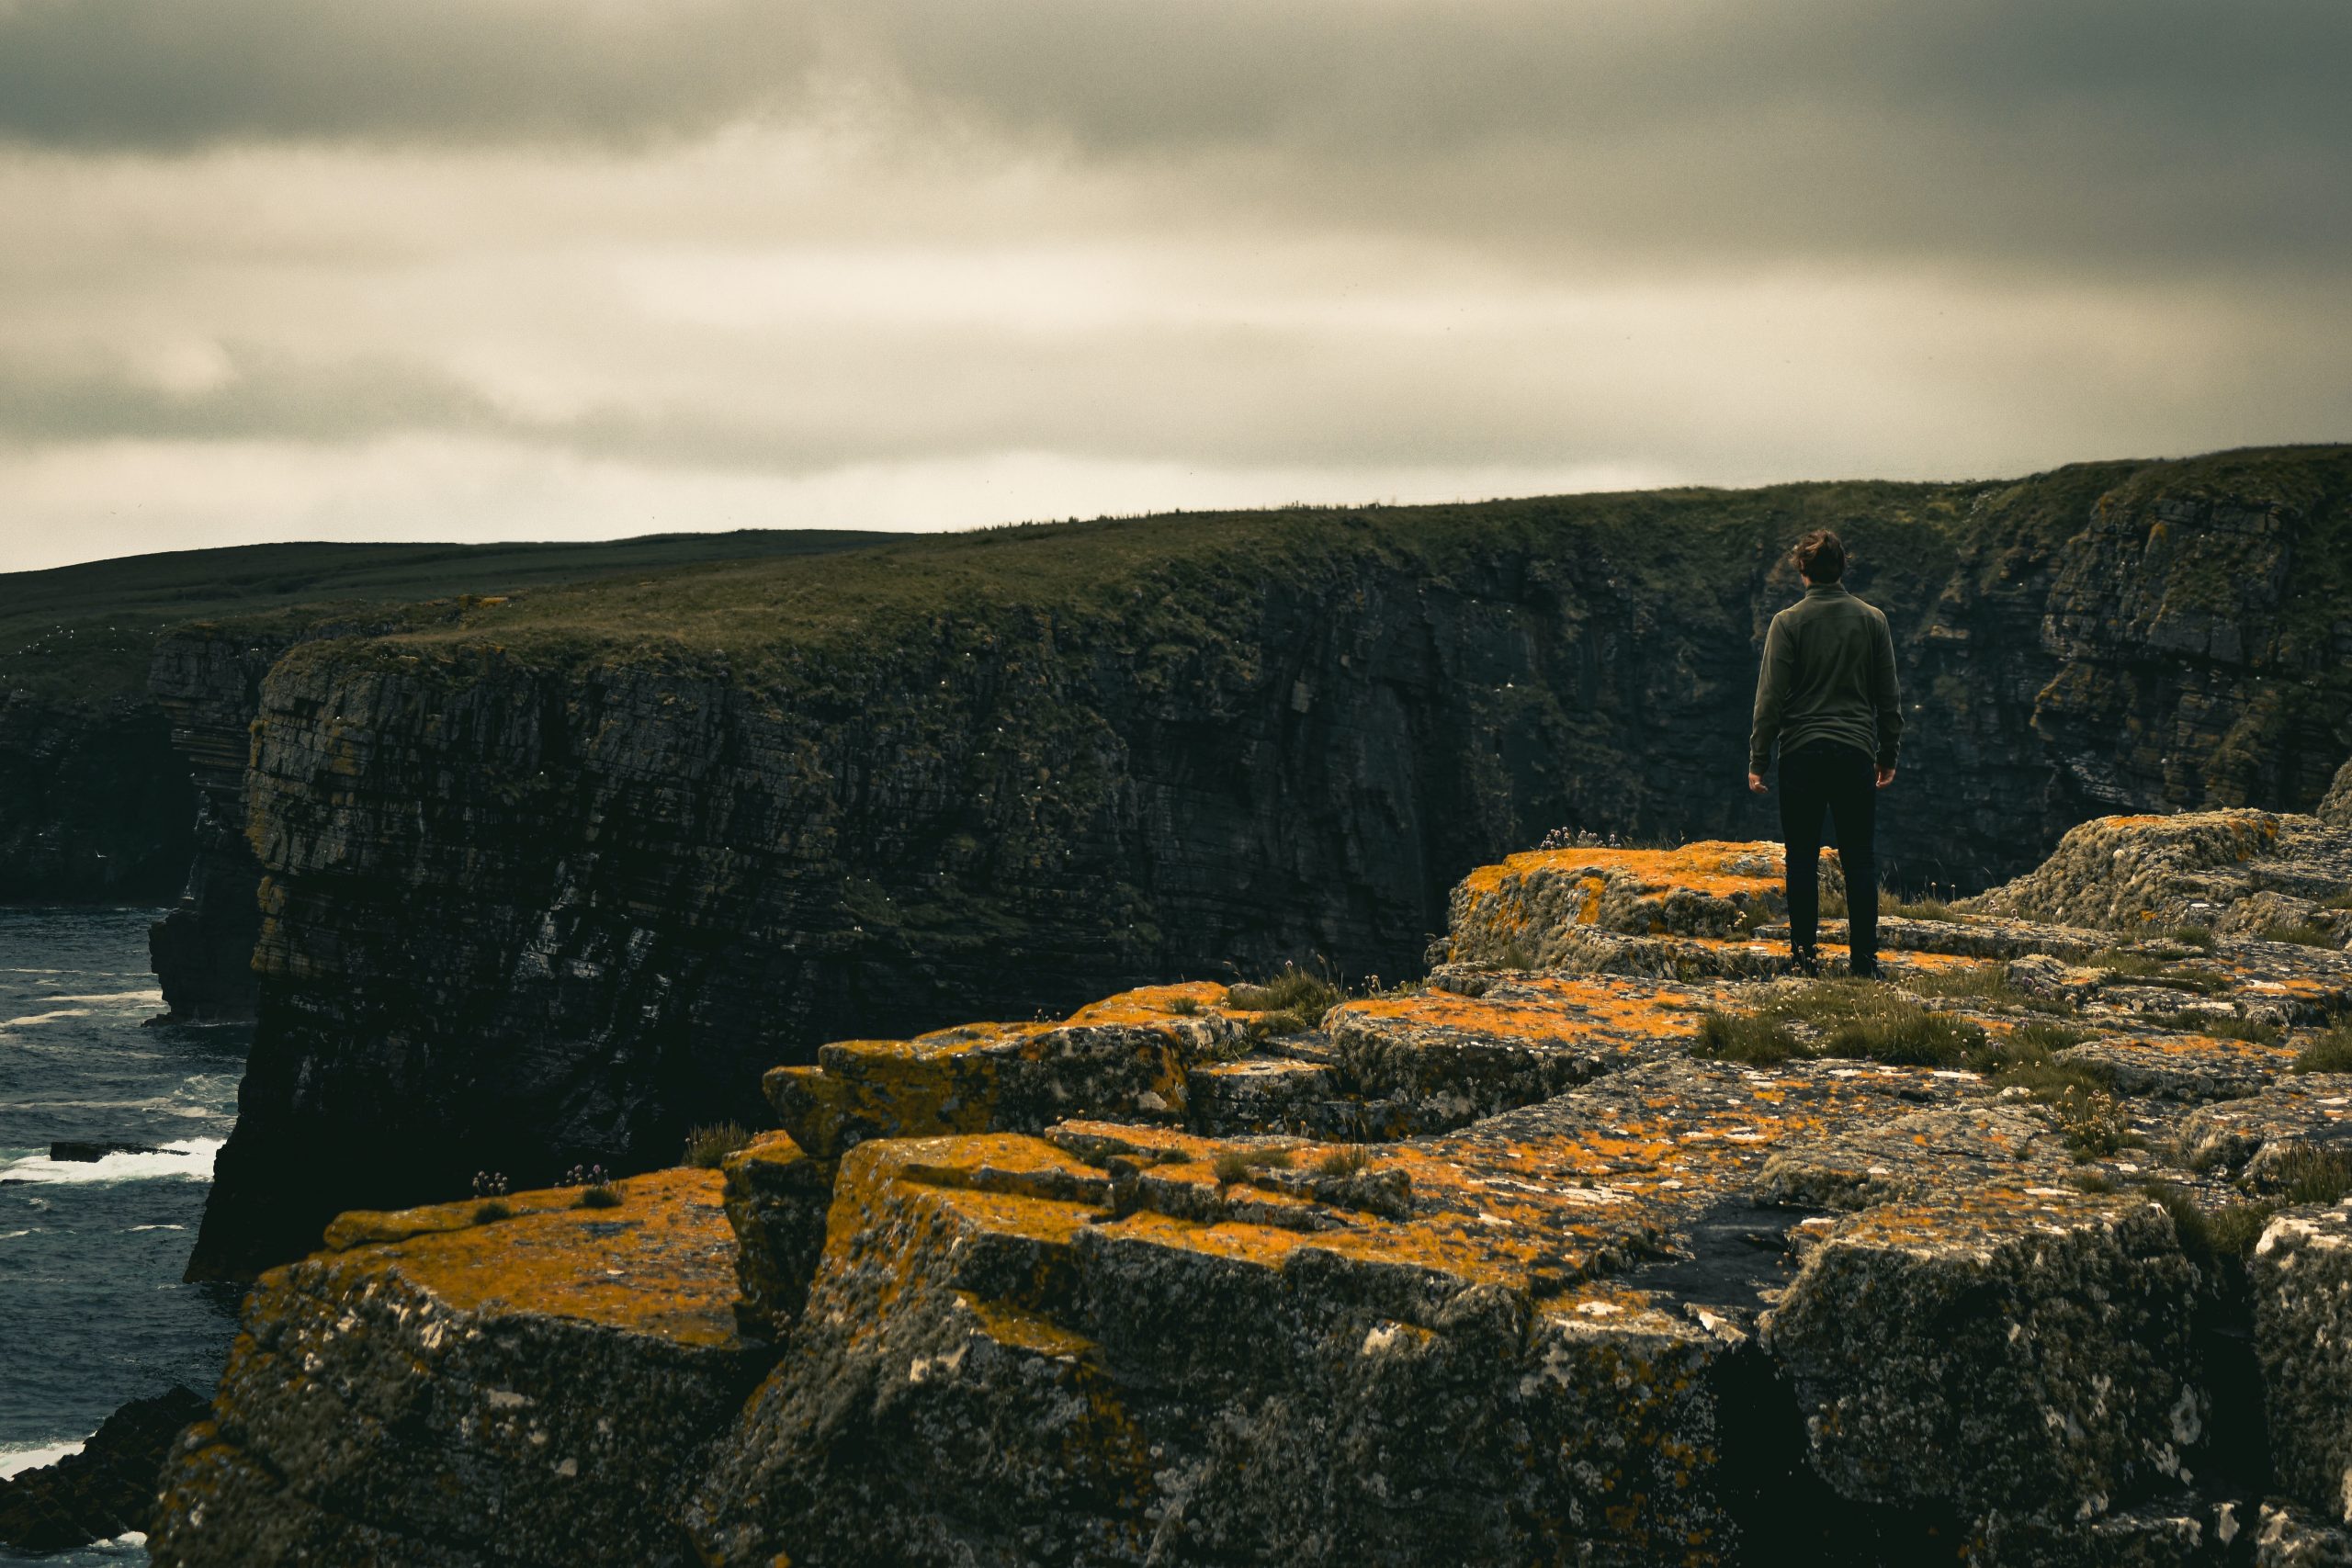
(1828, 675)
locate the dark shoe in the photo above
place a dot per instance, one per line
(1866, 972)
(1806, 961)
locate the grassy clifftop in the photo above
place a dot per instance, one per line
(1160, 576)
(83, 632)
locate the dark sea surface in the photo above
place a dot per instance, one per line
(91, 1309)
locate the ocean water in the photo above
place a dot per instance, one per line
(91, 1309)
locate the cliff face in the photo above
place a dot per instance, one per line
(93, 803)
(2202, 622)
(207, 681)
(545, 887)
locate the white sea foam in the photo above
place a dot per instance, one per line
(153, 995)
(149, 1228)
(15, 1461)
(186, 1158)
(44, 1016)
(11, 1236)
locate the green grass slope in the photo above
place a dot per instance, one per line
(83, 633)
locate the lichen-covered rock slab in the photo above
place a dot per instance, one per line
(1438, 1059)
(2258, 1140)
(1527, 912)
(531, 1391)
(1982, 1334)
(2233, 872)
(1129, 1057)
(2196, 1068)
(2302, 1279)
(775, 1200)
(1117, 1344)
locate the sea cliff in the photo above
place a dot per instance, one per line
(551, 879)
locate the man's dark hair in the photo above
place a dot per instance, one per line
(1821, 556)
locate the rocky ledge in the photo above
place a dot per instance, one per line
(1609, 1242)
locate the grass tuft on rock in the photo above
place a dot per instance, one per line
(600, 1197)
(1986, 986)
(2302, 933)
(2192, 936)
(1747, 1037)
(2309, 1175)
(1236, 1165)
(708, 1147)
(1350, 1160)
(1290, 1003)
(2081, 1101)
(2328, 1053)
(2151, 971)
(2214, 1025)
(2224, 1234)
(1840, 1017)
(492, 1211)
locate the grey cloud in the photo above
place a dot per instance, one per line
(168, 76)
(265, 396)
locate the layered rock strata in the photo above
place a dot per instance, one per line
(207, 680)
(1649, 1282)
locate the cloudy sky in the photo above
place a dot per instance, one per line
(484, 269)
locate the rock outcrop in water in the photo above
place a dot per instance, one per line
(107, 1489)
(2037, 1254)
(554, 881)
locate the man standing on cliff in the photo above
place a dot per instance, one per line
(1826, 694)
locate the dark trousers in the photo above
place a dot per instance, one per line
(1842, 782)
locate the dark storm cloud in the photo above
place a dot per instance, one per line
(2141, 132)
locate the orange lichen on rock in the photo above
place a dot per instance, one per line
(2194, 1067)
(1517, 914)
(660, 1262)
(1128, 1055)
(391, 1396)
(1444, 1058)
(1485, 1291)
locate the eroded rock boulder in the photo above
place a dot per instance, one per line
(439, 1389)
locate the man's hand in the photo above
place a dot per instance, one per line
(1885, 777)
(1756, 783)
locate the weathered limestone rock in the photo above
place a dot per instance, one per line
(1496, 1269)
(2257, 1140)
(776, 1198)
(1981, 1333)
(1130, 1056)
(2336, 807)
(2226, 870)
(1118, 1343)
(536, 1389)
(2192, 1067)
(1432, 1062)
(2287, 1538)
(1526, 912)
(2301, 1279)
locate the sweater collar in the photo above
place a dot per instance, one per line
(1825, 591)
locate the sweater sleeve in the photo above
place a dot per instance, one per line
(1772, 696)
(1885, 695)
